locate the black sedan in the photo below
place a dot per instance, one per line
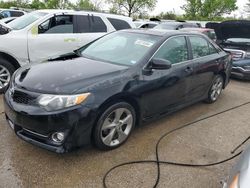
(102, 91)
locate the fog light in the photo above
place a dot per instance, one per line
(58, 137)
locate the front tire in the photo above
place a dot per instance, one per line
(216, 89)
(114, 126)
(6, 71)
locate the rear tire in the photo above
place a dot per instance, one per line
(6, 71)
(114, 126)
(215, 90)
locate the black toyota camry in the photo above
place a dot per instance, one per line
(99, 93)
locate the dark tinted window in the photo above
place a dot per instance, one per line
(90, 24)
(16, 13)
(83, 24)
(200, 46)
(97, 25)
(148, 25)
(174, 50)
(119, 24)
(57, 24)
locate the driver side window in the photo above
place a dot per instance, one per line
(57, 25)
(174, 50)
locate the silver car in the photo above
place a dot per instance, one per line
(240, 175)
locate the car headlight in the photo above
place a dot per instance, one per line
(235, 182)
(57, 102)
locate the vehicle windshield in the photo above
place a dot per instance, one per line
(121, 48)
(25, 20)
(238, 40)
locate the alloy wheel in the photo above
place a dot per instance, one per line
(4, 76)
(216, 89)
(116, 127)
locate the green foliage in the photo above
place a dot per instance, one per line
(167, 16)
(50, 4)
(132, 7)
(84, 5)
(208, 9)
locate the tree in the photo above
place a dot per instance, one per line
(167, 16)
(192, 9)
(247, 6)
(131, 7)
(84, 5)
(208, 9)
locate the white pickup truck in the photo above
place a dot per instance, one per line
(44, 34)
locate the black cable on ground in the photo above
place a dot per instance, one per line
(158, 162)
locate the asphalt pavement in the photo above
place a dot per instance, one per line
(211, 140)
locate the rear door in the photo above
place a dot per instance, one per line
(53, 37)
(206, 60)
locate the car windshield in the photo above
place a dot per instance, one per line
(25, 20)
(123, 48)
(238, 40)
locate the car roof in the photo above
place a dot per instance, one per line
(161, 32)
(54, 11)
(197, 29)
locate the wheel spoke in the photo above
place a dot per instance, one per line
(1, 71)
(213, 94)
(127, 120)
(108, 125)
(2, 75)
(121, 135)
(118, 114)
(108, 139)
(4, 80)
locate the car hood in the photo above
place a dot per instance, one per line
(233, 29)
(67, 77)
(240, 63)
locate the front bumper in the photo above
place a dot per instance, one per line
(240, 73)
(35, 126)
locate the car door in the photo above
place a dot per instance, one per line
(89, 28)
(167, 89)
(206, 59)
(52, 38)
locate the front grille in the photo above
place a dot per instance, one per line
(22, 98)
(237, 54)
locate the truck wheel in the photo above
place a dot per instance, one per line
(6, 71)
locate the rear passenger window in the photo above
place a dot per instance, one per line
(16, 13)
(97, 25)
(90, 24)
(199, 46)
(119, 24)
(174, 50)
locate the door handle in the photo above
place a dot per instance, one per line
(189, 69)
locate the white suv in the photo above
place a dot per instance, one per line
(44, 34)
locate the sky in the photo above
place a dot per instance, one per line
(175, 5)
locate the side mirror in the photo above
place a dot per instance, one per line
(160, 64)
